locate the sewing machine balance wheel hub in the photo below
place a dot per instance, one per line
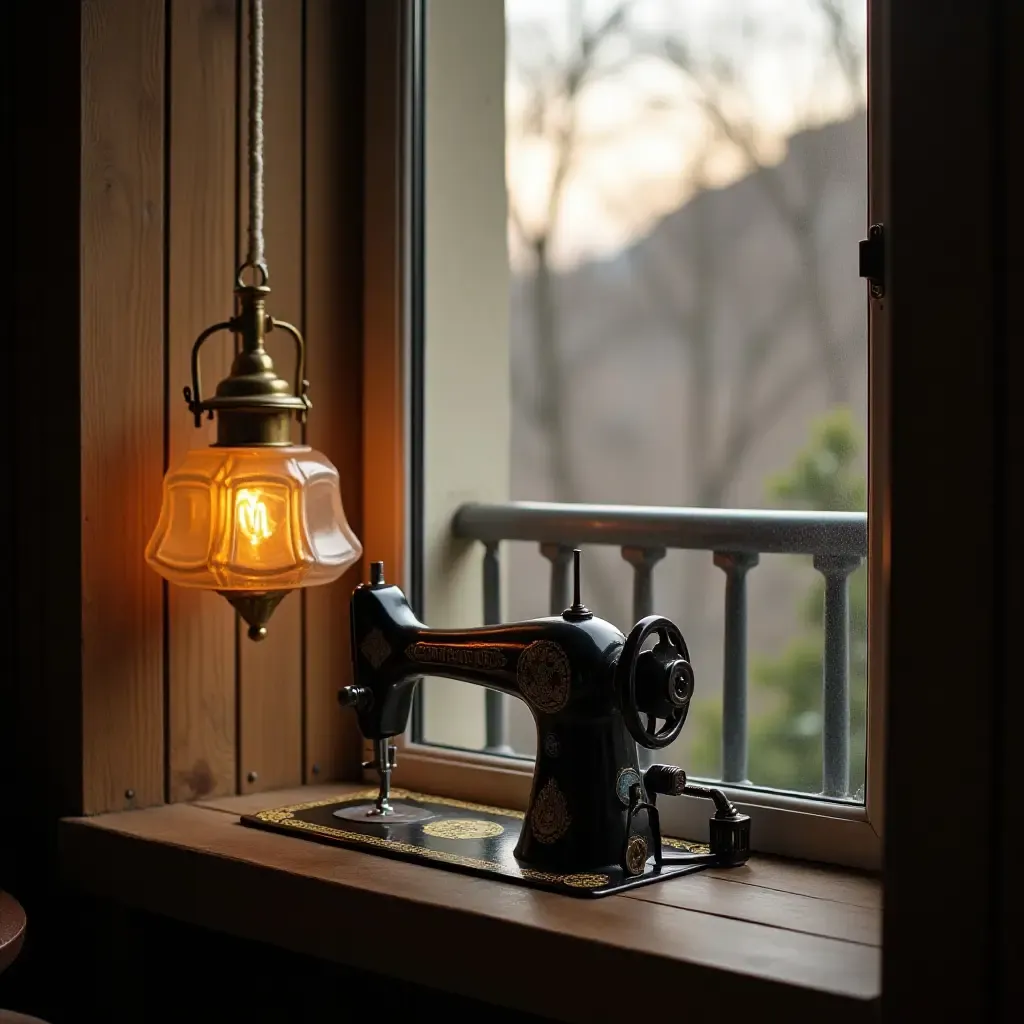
(657, 683)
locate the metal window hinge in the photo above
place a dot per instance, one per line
(872, 260)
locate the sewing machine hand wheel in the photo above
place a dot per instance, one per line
(657, 683)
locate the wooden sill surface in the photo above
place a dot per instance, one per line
(801, 938)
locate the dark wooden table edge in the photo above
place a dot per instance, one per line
(442, 947)
(11, 946)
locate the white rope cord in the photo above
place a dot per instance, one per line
(256, 256)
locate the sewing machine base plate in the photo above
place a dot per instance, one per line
(459, 836)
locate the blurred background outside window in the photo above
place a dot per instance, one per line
(687, 183)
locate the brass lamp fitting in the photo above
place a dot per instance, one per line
(254, 408)
(254, 405)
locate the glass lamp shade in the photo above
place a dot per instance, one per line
(252, 519)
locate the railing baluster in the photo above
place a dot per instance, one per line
(495, 719)
(835, 733)
(560, 557)
(735, 565)
(492, 585)
(643, 561)
(837, 540)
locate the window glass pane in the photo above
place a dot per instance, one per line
(687, 185)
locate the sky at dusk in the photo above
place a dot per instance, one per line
(644, 142)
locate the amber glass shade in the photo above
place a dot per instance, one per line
(255, 519)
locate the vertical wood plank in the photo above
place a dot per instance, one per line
(201, 264)
(384, 417)
(270, 685)
(385, 412)
(122, 355)
(1010, 952)
(40, 695)
(334, 72)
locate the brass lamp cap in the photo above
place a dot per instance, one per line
(254, 405)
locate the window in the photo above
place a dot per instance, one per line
(633, 283)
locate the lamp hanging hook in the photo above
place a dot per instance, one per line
(260, 274)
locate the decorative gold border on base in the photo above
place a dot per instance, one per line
(685, 845)
(286, 816)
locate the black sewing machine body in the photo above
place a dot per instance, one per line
(564, 671)
(587, 686)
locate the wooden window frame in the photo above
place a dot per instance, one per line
(835, 832)
(945, 402)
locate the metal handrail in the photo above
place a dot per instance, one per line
(736, 537)
(754, 531)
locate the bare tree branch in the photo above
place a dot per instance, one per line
(517, 220)
(799, 216)
(750, 424)
(844, 48)
(555, 114)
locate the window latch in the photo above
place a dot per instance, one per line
(872, 260)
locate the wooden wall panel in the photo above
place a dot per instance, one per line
(333, 320)
(176, 703)
(201, 265)
(122, 356)
(270, 683)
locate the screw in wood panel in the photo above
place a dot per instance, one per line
(252, 776)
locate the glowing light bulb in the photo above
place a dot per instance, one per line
(253, 518)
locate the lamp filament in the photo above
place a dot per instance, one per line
(253, 517)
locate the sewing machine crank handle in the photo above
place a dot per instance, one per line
(729, 829)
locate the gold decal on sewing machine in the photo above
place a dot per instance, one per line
(579, 881)
(685, 845)
(441, 654)
(376, 650)
(636, 855)
(463, 828)
(549, 817)
(543, 675)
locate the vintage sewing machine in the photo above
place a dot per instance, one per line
(592, 824)
(594, 694)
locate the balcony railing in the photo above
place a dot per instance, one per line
(837, 542)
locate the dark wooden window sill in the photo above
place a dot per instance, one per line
(773, 935)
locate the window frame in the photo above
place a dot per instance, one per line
(787, 824)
